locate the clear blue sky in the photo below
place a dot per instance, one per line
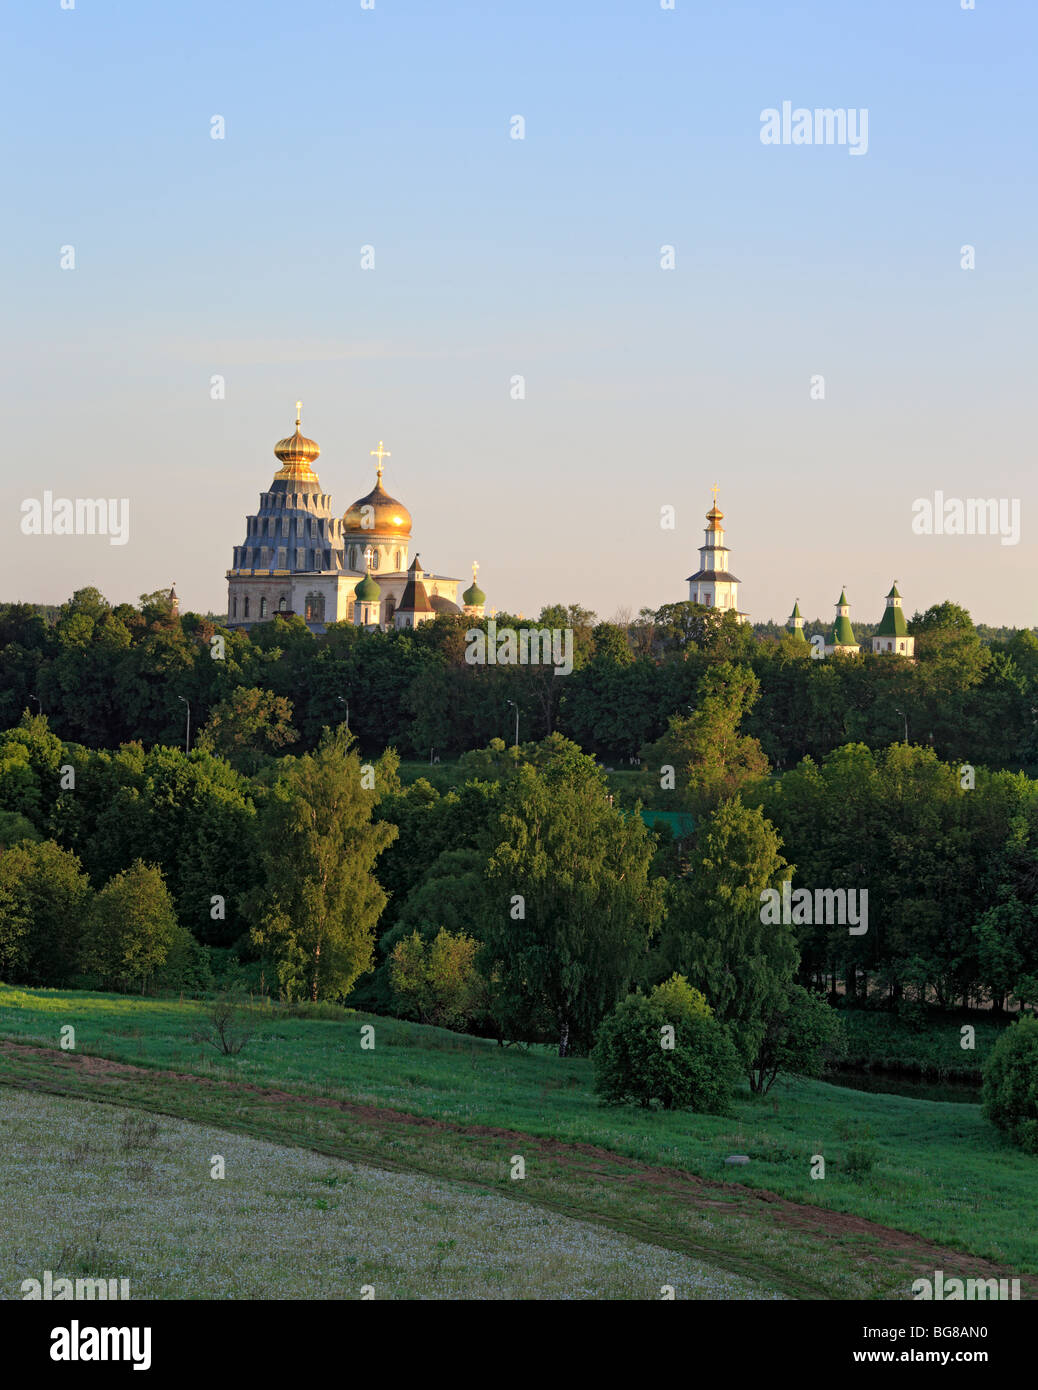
(540, 257)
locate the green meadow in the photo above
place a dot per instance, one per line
(937, 1173)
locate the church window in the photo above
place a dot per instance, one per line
(390, 609)
(282, 604)
(374, 559)
(263, 607)
(246, 605)
(353, 557)
(314, 608)
(284, 525)
(368, 553)
(234, 606)
(399, 560)
(281, 560)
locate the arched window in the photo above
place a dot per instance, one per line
(282, 604)
(246, 605)
(374, 559)
(263, 607)
(400, 559)
(390, 610)
(234, 605)
(314, 609)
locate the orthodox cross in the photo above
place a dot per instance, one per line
(380, 454)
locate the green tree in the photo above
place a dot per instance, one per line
(714, 934)
(318, 905)
(801, 1033)
(711, 758)
(437, 981)
(1010, 1090)
(571, 906)
(246, 726)
(658, 1049)
(130, 929)
(44, 897)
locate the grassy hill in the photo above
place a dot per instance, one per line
(910, 1185)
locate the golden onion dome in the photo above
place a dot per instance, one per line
(297, 453)
(387, 516)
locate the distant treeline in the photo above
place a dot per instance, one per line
(107, 675)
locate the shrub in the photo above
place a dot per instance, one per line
(437, 981)
(228, 1029)
(860, 1160)
(633, 1064)
(1010, 1092)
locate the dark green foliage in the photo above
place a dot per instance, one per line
(569, 904)
(317, 901)
(860, 1159)
(713, 933)
(801, 1034)
(187, 968)
(44, 900)
(14, 827)
(1010, 1094)
(632, 1066)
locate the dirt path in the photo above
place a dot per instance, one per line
(886, 1245)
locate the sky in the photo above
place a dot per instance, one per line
(541, 258)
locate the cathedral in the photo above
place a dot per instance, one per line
(300, 558)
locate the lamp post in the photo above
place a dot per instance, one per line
(187, 733)
(904, 716)
(39, 706)
(516, 708)
(343, 701)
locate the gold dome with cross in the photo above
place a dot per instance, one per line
(386, 516)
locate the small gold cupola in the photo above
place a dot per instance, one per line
(297, 453)
(715, 516)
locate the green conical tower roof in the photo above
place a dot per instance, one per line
(367, 591)
(796, 630)
(843, 633)
(892, 623)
